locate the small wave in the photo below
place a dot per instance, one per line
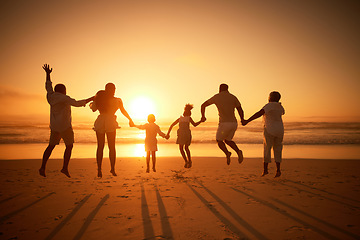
(296, 133)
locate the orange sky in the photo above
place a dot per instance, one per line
(178, 52)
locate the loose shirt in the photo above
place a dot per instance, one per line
(273, 118)
(60, 108)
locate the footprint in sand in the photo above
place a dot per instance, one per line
(123, 196)
(296, 228)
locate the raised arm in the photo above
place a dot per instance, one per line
(253, 117)
(203, 106)
(125, 113)
(48, 83)
(171, 126)
(195, 123)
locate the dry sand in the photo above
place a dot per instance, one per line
(313, 199)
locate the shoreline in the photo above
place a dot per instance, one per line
(35, 151)
(180, 158)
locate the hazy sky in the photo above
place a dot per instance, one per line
(178, 52)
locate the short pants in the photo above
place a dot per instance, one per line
(226, 131)
(67, 136)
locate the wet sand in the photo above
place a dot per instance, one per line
(313, 199)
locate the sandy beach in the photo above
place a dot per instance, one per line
(313, 199)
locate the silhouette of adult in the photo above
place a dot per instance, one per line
(226, 104)
(60, 121)
(106, 124)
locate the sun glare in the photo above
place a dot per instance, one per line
(139, 150)
(141, 107)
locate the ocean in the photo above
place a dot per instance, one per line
(301, 140)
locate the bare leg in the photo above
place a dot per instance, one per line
(188, 156)
(148, 161)
(265, 169)
(233, 145)
(278, 146)
(67, 156)
(100, 151)
(112, 151)
(278, 172)
(181, 148)
(153, 154)
(45, 158)
(222, 146)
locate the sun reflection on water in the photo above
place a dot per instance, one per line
(139, 150)
(141, 135)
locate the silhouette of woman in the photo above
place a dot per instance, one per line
(106, 123)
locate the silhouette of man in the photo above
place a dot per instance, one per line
(60, 121)
(226, 104)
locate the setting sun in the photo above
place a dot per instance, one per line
(141, 107)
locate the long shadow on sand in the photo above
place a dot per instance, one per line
(283, 212)
(319, 195)
(217, 214)
(9, 198)
(165, 225)
(317, 219)
(241, 221)
(67, 219)
(90, 218)
(7, 216)
(147, 223)
(321, 190)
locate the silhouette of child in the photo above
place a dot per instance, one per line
(150, 140)
(273, 130)
(184, 133)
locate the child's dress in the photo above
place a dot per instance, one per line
(184, 133)
(151, 132)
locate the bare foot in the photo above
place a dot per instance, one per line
(186, 164)
(189, 164)
(228, 158)
(154, 170)
(265, 173)
(240, 156)
(278, 174)
(42, 172)
(147, 170)
(113, 173)
(99, 174)
(66, 172)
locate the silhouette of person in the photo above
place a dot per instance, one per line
(106, 124)
(226, 104)
(60, 121)
(184, 134)
(152, 130)
(273, 130)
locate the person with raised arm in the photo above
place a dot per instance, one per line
(60, 121)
